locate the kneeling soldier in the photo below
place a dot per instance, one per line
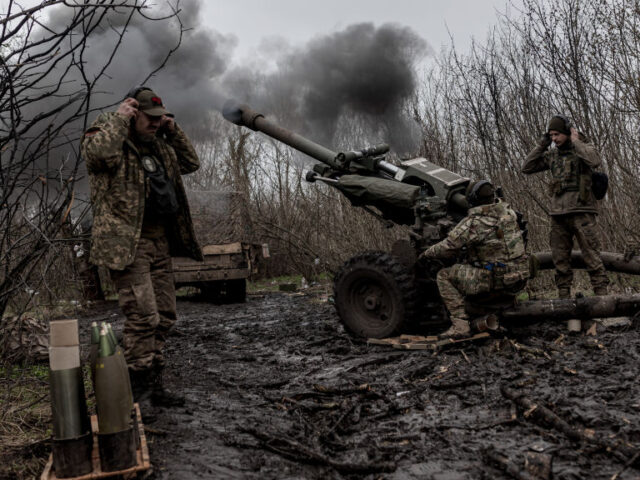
(496, 259)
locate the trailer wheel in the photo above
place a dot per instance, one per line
(225, 291)
(211, 291)
(236, 291)
(375, 295)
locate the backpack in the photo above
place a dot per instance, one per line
(599, 184)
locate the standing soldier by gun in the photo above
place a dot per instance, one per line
(135, 157)
(573, 205)
(495, 250)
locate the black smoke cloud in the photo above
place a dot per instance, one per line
(188, 82)
(365, 71)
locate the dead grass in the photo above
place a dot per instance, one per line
(25, 421)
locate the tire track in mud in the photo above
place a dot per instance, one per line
(275, 388)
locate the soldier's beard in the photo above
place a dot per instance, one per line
(146, 137)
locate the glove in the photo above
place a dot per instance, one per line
(545, 140)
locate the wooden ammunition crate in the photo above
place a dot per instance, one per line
(130, 473)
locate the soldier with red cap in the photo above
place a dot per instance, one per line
(135, 158)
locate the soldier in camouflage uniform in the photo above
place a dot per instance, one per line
(495, 254)
(135, 158)
(573, 206)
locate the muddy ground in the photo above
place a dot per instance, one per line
(275, 388)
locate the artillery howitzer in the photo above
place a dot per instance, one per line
(380, 293)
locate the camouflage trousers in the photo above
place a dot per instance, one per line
(147, 297)
(458, 281)
(582, 227)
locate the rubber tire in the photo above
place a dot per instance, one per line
(225, 291)
(236, 291)
(375, 295)
(211, 291)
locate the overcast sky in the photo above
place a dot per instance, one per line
(327, 55)
(296, 21)
(253, 22)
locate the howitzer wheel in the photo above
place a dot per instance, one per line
(375, 295)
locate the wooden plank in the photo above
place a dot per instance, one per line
(382, 341)
(414, 346)
(209, 275)
(189, 264)
(416, 342)
(222, 249)
(143, 461)
(402, 339)
(144, 448)
(418, 338)
(210, 262)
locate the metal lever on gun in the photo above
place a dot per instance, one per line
(311, 177)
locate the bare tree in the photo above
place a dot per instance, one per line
(479, 114)
(489, 106)
(47, 93)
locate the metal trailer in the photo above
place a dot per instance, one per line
(222, 276)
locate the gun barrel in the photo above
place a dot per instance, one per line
(246, 117)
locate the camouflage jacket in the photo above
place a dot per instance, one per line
(571, 170)
(491, 235)
(119, 185)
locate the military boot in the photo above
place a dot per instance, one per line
(160, 396)
(459, 328)
(141, 384)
